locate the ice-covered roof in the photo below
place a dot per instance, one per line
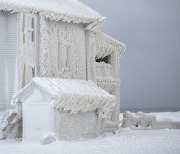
(66, 10)
(70, 95)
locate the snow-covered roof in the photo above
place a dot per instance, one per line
(66, 10)
(70, 95)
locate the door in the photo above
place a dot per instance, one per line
(37, 121)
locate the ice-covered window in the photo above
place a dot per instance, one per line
(68, 56)
(31, 29)
(33, 72)
(106, 59)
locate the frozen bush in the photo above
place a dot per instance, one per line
(10, 125)
(141, 120)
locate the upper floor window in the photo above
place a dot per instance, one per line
(33, 72)
(68, 56)
(31, 29)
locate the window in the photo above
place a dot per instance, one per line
(33, 72)
(68, 56)
(106, 59)
(30, 39)
(31, 29)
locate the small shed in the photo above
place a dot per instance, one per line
(72, 109)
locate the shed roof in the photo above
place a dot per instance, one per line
(71, 95)
(66, 10)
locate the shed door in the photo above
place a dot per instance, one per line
(38, 121)
(8, 57)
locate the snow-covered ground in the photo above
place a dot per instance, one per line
(164, 141)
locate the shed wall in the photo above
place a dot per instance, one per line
(78, 126)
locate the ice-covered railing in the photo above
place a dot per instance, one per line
(104, 70)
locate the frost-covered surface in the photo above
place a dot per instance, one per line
(64, 44)
(126, 141)
(71, 95)
(78, 126)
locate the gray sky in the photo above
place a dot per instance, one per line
(150, 67)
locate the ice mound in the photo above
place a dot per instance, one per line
(142, 120)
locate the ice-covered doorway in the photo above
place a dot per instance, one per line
(8, 57)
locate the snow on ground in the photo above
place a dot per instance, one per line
(126, 141)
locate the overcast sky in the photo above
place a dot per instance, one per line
(150, 67)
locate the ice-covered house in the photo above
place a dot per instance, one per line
(72, 109)
(57, 39)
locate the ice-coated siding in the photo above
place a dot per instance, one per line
(12, 55)
(8, 57)
(2, 60)
(79, 126)
(64, 54)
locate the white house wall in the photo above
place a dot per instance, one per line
(2, 60)
(8, 57)
(12, 54)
